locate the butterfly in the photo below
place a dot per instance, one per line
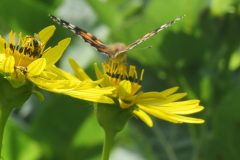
(112, 50)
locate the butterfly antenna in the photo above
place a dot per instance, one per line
(143, 48)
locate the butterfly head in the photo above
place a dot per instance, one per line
(117, 51)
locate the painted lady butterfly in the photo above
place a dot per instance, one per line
(112, 50)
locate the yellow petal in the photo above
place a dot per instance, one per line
(91, 95)
(54, 85)
(150, 98)
(160, 115)
(8, 64)
(169, 116)
(75, 89)
(183, 107)
(2, 58)
(97, 71)
(46, 33)
(176, 97)
(157, 98)
(169, 91)
(12, 38)
(144, 117)
(61, 73)
(2, 42)
(104, 80)
(132, 71)
(124, 104)
(162, 94)
(52, 55)
(36, 67)
(79, 72)
(125, 89)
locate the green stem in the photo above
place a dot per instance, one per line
(108, 144)
(4, 114)
(112, 119)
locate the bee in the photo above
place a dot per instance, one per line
(31, 46)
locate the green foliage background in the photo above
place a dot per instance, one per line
(201, 54)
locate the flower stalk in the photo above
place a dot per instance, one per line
(4, 114)
(112, 119)
(108, 144)
(10, 98)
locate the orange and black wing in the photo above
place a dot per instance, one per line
(88, 37)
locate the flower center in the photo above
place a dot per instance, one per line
(118, 72)
(25, 51)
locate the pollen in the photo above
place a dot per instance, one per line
(118, 72)
(25, 51)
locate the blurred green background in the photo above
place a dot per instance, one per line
(201, 54)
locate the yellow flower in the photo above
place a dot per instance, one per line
(56, 80)
(28, 57)
(166, 105)
(28, 60)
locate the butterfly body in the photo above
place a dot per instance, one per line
(114, 51)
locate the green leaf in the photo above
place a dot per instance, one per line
(110, 16)
(225, 128)
(57, 123)
(234, 61)
(19, 143)
(221, 7)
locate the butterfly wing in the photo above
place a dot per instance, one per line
(148, 35)
(88, 37)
